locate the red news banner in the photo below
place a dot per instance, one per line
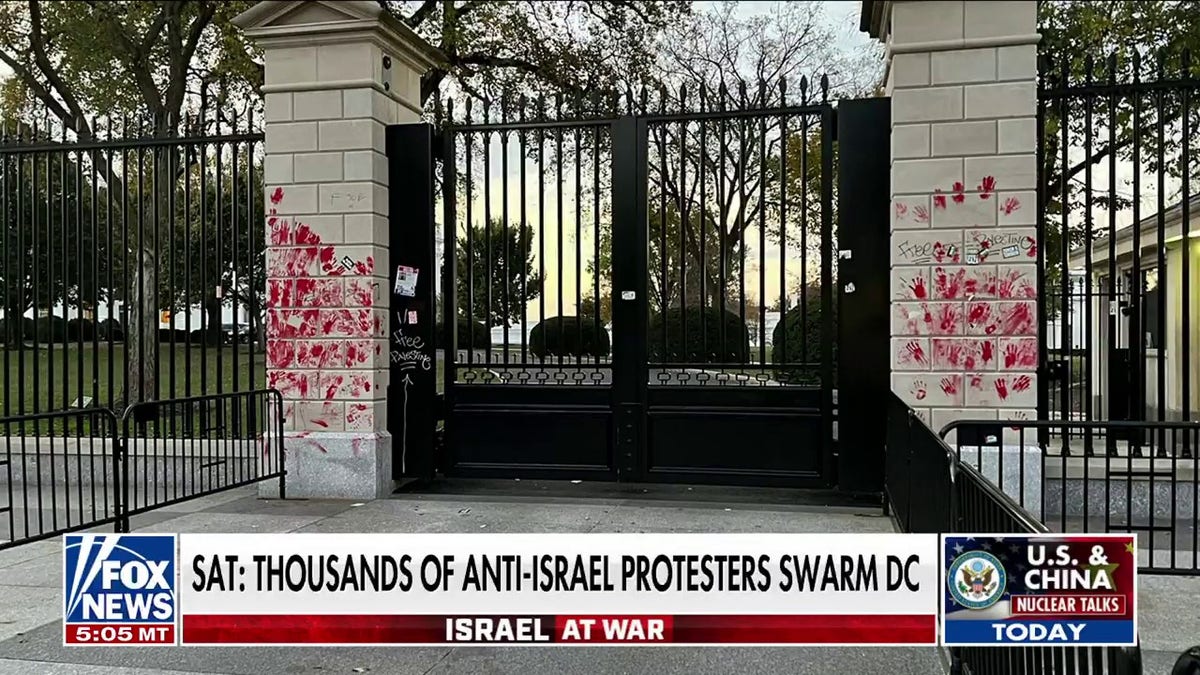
(558, 589)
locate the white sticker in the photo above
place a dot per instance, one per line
(972, 258)
(1010, 251)
(850, 288)
(628, 295)
(412, 317)
(406, 281)
(846, 254)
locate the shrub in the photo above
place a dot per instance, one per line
(704, 332)
(569, 336)
(13, 331)
(480, 334)
(80, 329)
(111, 329)
(51, 329)
(802, 342)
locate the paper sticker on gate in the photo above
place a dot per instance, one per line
(406, 281)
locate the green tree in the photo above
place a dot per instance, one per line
(1076, 38)
(49, 250)
(149, 60)
(501, 278)
(535, 46)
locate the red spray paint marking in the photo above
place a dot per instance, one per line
(1018, 319)
(939, 200)
(949, 320)
(1015, 285)
(977, 382)
(1011, 204)
(901, 209)
(280, 353)
(1022, 353)
(987, 351)
(958, 193)
(1033, 249)
(947, 353)
(277, 195)
(986, 187)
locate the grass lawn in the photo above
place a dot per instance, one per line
(182, 372)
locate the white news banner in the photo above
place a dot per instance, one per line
(558, 588)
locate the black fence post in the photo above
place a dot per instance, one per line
(630, 287)
(864, 296)
(412, 387)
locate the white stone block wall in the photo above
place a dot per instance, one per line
(962, 77)
(329, 97)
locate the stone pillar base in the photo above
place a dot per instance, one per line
(328, 465)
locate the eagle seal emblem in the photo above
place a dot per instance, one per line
(976, 580)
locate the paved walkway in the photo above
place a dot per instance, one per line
(30, 595)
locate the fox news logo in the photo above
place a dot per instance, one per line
(119, 589)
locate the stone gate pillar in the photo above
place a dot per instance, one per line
(962, 77)
(336, 73)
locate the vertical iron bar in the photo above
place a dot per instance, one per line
(507, 260)
(596, 266)
(743, 159)
(558, 205)
(522, 148)
(664, 244)
(722, 212)
(1089, 327)
(470, 253)
(450, 260)
(1064, 274)
(783, 181)
(762, 232)
(681, 187)
(827, 273)
(578, 238)
(488, 269)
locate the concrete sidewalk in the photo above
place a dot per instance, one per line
(30, 594)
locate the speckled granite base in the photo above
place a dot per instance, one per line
(335, 466)
(1184, 493)
(1022, 483)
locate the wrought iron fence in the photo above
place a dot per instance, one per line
(131, 260)
(740, 263)
(1118, 205)
(1105, 476)
(77, 469)
(957, 497)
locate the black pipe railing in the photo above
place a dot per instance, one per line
(71, 470)
(926, 477)
(1098, 476)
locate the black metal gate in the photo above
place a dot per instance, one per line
(641, 287)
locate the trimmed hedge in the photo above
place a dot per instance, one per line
(80, 329)
(803, 341)
(704, 336)
(111, 328)
(23, 330)
(569, 336)
(480, 334)
(51, 329)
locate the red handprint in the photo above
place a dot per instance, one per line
(958, 193)
(1022, 383)
(915, 352)
(986, 187)
(950, 385)
(987, 351)
(918, 390)
(917, 286)
(977, 382)
(939, 200)
(1031, 246)
(1002, 388)
(901, 209)
(922, 214)
(1011, 204)
(1010, 356)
